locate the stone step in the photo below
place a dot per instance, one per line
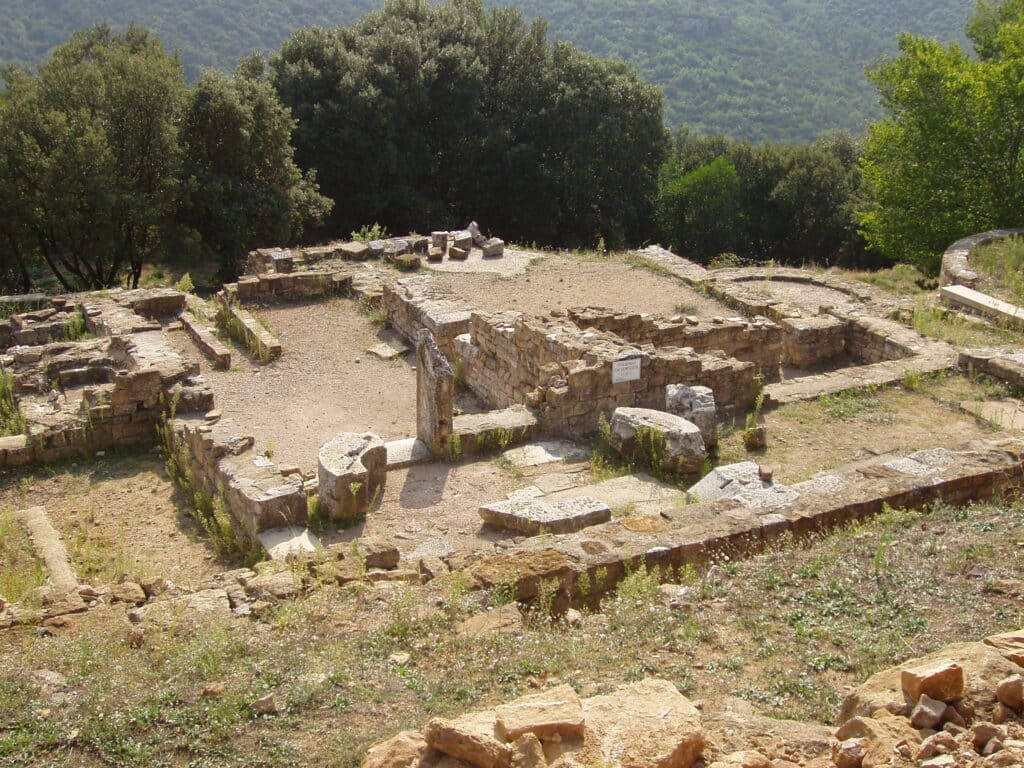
(407, 453)
(535, 516)
(997, 309)
(856, 377)
(290, 540)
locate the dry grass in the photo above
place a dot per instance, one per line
(20, 571)
(826, 433)
(784, 631)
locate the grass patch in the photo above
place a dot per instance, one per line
(851, 403)
(20, 571)
(902, 279)
(955, 329)
(11, 420)
(1001, 267)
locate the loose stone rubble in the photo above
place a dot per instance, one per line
(656, 436)
(959, 707)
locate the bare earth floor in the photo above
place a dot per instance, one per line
(325, 382)
(561, 281)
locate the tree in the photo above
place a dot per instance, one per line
(947, 160)
(89, 158)
(422, 115)
(700, 210)
(240, 186)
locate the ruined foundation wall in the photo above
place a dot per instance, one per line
(413, 305)
(757, 341)
(219, 460)
(566, 374)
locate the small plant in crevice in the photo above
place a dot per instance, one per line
(369, 232)
(11, 420)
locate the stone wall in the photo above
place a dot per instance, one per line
(220, 460)
(80, 397)
(413, 304)
(956, 269)
(565, 373)
(757, 341)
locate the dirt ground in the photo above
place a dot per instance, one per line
(809, 437)
(118, 516)
(325, 382)
(560, 281)
(799, 295)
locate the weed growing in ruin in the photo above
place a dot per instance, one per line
(185, 284)
(11, 420)
(75, 327)
(369, 232)
(20, 571)
(850, 403)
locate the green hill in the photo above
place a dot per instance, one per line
(783, 70)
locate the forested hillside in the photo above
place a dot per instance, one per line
(782, 70)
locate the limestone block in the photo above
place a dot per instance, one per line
(493, 248)
(462, 240)
(395, 248)
(435, 395)
(375, 248)
(457, 253)
(439, 240)
(478, 236)
(435, 254)
(942, 680)
(742, 482)
(355, 251)
(644, 725)
(470, 738)
(695, 404)
(535, 516)
(407, 749)
(351, 471)
(683, 445)
(555, 714)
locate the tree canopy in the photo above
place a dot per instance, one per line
(107, 160)
(948, 158)
(421, 114)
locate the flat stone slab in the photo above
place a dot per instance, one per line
(547, 452)
(638, 493)
(534, 516)
(391, 346)
(50, 549)
(997, 309)
(742, 482)
(407, 453)
(513, 262)
(292, 540)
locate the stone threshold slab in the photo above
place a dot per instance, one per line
(997, 309)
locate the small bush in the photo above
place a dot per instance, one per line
(367, 233)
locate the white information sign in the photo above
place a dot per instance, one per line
(626, 370)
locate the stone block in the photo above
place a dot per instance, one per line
(553, 715)
(439, 240)
(493, 248)
(457, 253)
(697, 405)
(942, 680)
(533, 516)
(435, 395)
(463, 240)
(435, 254)
(649, 435)
(478, 236)
(743, 483)
(355, 251)
(351, 471)
(470, 738)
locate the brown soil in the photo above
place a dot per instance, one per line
(809, 437)
(324, 383)
(561, 281)
(118, 516)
